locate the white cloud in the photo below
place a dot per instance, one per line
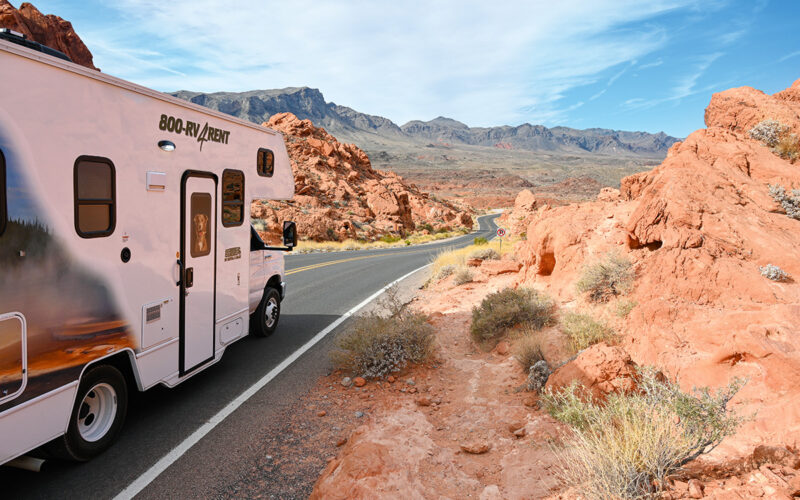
(481, 63)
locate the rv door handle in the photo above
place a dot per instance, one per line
(189, 278)
(180, 273)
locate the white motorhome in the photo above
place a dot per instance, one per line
(127, 258)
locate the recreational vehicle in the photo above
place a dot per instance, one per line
(127, 258)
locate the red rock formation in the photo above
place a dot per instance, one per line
(339, 195)
(600, 370)
(48, 30)
(697, 228)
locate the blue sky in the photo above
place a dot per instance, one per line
(621, 64)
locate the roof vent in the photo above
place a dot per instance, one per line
(22, 39)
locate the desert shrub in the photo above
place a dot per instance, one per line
(624, 307)
(776, 136)
(389, 238)
(626, 446)
(787, 147)
(426, 227)
(582, 330)
(462, 276)
(528, 350)
(480, 240)
(502, 310)
(445, 271)
(374, 346)
(484, 254)
(768, 132)
(789, 203)
(608, 278)
(773, 272)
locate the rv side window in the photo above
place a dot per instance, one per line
(95, 197)
(232, 198)
(266, 162)
(3, 201)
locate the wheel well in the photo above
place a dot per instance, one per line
(121, 361)
(274, 282)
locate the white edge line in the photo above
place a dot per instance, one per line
(153, 472)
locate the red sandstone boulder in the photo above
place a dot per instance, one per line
(600, 370)
(48, 30)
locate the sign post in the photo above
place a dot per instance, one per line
(500, 233)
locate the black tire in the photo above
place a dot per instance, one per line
(264, 321)
(82, 447)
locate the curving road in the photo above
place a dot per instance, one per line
(320, 289)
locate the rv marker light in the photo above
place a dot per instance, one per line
(167, 146)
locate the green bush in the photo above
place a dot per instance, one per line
(582, 330)
(507, 308)
(426, 227)
(374, 346)
(626, 446)
(480, 240)
(389, 238)
(608, 278)
(777, 137)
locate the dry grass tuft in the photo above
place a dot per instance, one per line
(528, 350)
(462, 276)
(626, 447)
(583, 330)
(608, 278)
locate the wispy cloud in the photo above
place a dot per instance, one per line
(789, 56)
(469, 60)
(656, 63)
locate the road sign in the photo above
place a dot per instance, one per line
(501, 232)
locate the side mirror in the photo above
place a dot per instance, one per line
(289, 234)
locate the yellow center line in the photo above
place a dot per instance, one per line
(341, 261)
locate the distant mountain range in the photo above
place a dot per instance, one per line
(372, 132)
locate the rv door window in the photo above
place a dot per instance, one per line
(232, 198)
(265, 165)
(95, 197)
(3, 196)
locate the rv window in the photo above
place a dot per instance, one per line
(95, 197)
(232, 198)
(3, 202)
(200, 236)
(266, 162)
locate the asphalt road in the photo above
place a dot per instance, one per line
(320, 288)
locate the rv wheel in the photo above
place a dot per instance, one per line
(97, 417)
(265, 319)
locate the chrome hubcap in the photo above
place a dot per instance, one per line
(271, 313)
(97, 411)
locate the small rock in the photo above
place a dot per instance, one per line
(341, 441)
(530, 402)
(321, 413)
(411, 382)
(390, 379)
(359, 382)
(475, 448)
(330, 459)
(519, 433)
(413, 390)
(359, 414)
(538, 375)
(502, 348)
(775, 455)
(347, 382)
(680, 486)
(513, 426)
(423, 401)
(696, 489)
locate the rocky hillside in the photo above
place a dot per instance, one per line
(338, 195)
(351, 125)
(701, 230)
(48, 30)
